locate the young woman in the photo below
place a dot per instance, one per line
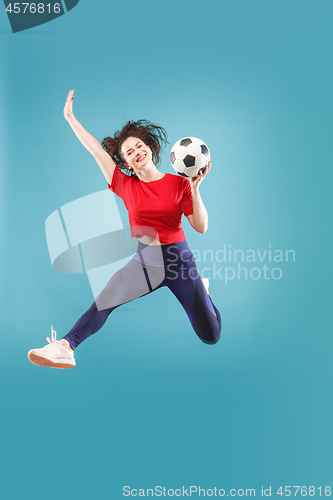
(155, 203)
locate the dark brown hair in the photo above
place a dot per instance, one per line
(152, 135)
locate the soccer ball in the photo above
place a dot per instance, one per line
(188, 156)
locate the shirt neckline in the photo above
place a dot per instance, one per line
(150, 182)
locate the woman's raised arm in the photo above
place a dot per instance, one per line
(103, 159)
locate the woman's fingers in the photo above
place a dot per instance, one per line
(68, 109)
(195, 181)
(207, 169)
(70, 97)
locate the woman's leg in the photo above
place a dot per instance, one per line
(134, 280)
(88, 324)
(185, 282)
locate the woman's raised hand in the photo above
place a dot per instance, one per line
(68, 109)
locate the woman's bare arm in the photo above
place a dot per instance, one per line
(199, 218)
(104, 160)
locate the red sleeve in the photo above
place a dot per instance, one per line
(187, 203)
(118, 182)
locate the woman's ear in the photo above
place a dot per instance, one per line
(127, 166)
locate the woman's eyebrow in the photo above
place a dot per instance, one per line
(132, 148)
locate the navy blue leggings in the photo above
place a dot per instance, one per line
(151, 268)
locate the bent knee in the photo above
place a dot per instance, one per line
(213, 339)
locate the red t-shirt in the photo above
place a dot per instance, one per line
(155, 208)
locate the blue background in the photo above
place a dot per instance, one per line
(148, 404)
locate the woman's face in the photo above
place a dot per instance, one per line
(136, 154)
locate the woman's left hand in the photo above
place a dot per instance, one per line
(196, 181)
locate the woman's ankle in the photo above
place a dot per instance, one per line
(66, 344)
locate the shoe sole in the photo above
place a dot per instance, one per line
(44, 361)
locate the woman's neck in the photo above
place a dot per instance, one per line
(149, 175)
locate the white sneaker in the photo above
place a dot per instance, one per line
(206, 284)
(54, 354)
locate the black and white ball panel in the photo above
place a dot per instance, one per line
(185, 142)
(188, 156)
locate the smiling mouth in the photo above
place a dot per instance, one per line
(141, 158)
